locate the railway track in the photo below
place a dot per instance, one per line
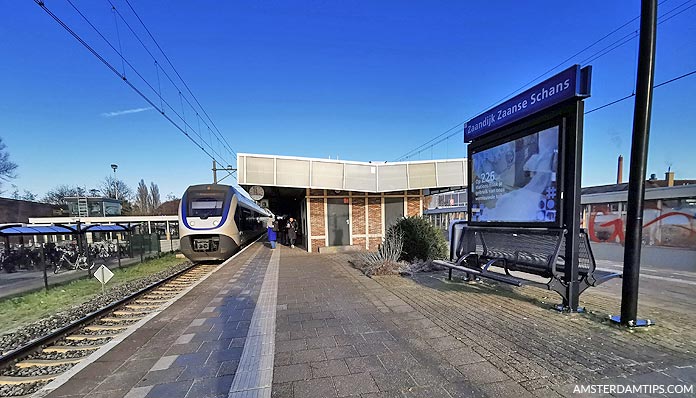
(27, 369)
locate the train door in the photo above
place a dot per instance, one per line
(339, 222)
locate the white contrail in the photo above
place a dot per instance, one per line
(126, 112)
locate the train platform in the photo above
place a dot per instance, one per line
(287, 323)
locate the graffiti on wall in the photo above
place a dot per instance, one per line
(663, 226)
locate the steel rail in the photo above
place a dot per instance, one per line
(29, 348)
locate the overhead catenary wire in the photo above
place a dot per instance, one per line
(157, 65)
(178, 75)
(586, 112)
(41, 4)
(598, 54)
(162, 111)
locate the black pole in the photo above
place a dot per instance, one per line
(43, 260)
(118, 251)
(639, 157)
(573, 130)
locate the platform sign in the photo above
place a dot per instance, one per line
(573, 82)
(103, 275)
(524, 168)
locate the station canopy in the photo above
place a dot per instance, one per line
(296, 172)
(60, 229)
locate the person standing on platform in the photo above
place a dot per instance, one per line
(272, 229)
(292, 231)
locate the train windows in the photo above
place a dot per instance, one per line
(206, 204)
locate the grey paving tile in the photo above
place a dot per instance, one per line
(164, 362)
(227, 368)
(359, 383)
(138, 392)
(180, 349)
(372, 349)
(289, 373)
(315, 388)
(160, 376)
(426, 376)
(383, 394)
(321, 342)
(212, 387)
(464, 390)
(346, 351)
(291, 345)
(393, 380)
(193, 359)
(398, 360)
(426, 392)
(462, 356)
(334, 367)
(364, 364)
(482, 372)
(170, 390)
(304, 356)
(505, 389)
(283, 390)
(194, 372)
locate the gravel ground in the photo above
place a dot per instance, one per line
(30, 332)
(36, 370)
(20, 389)
(76, 343)
(61, 355)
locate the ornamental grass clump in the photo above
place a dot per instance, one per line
(386, 259)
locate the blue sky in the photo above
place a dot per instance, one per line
(356, 80)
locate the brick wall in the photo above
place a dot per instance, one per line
(358, 219)
(19, 211)
(316, 213)
(413, 206)
(360, 242)
(317, 243)
(374, 212)
(374, 243)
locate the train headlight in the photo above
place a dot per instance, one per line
(192, 223)
(215, 222)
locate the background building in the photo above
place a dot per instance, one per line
(344, 204)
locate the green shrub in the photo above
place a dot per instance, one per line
(422, 241)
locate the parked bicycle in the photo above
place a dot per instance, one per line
(70, 262)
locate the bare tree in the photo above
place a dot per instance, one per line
(155, 201)
(7, 167)
(113, 188)
(58, 194)
(26, 195)
(142, 198)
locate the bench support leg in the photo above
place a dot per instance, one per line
(450, 274)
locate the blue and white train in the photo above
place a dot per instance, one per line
(216, 220)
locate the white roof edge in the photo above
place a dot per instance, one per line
(258, 155)
(109, 219)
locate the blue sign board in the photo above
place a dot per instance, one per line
(571, 83)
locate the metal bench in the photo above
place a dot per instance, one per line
(537, 251)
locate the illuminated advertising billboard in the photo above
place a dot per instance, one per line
(516, 181)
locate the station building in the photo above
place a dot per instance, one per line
(341, 204)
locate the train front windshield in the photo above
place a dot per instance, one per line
(206, 204)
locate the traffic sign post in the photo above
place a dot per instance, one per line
(103, 275)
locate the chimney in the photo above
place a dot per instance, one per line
(653, 177)
(669, 177)
(619, 172)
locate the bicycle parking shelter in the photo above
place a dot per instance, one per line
(524, 212)
(77, 229)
